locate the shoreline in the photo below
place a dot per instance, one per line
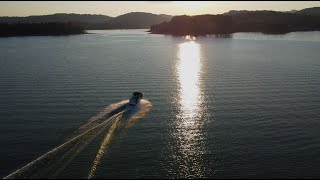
(37, 35)
(150, 32)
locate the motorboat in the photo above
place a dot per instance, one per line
(136, 97)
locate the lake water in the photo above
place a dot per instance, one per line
(240, 107)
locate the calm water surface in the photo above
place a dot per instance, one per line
(246, 106)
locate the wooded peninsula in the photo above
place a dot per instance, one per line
(268, 22)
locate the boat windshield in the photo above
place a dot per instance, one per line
(136, 93)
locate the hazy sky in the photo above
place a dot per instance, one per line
(115, 8)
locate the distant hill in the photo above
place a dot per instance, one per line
(61, 17)
(310, 11)
(245, 12)
(137, 20)
(91, 21)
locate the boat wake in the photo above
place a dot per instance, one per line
(122, 123)
(114, 117)
(102, 116)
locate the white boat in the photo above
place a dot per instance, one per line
(136, 97)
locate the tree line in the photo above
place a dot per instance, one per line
(38, 29)
(269, 22)
(195, 25)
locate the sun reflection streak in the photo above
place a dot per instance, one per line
(189, 72)
(189, 122)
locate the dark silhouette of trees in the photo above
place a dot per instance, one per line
(39, 29)
(222, 25)
(315, 11)
(195, 25)
(239, 21)
(133, 20)
(273, 22)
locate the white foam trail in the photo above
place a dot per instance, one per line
(100, 117)
(33, 167)
(103, 146)
(135, 114)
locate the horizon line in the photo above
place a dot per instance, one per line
(153, 13)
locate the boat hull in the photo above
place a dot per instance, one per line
(134, 101)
